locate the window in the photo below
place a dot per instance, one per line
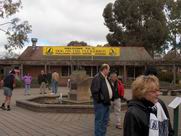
(94, 70)
(66, 70)
(88, 70)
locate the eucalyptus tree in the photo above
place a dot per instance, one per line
(16, 30)
(173, 12)
(141, 23)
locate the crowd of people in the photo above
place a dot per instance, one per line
(46, 81)
(49, 81)
(147, 115)
(8, 83)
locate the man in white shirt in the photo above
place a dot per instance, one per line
(102, 95)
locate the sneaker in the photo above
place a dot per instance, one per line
(8, 108)
(119, 127)
(3, 107)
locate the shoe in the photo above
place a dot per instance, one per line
(3, 106)
(8, 108)
(40, 93)
(45, 93)
(119, 127)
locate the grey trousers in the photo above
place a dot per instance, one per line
(43, 87)
(117, 110)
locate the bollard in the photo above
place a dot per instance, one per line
(176, 121)
(175, 105)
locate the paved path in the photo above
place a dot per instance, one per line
(22, 122)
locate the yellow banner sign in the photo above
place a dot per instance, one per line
(80, 51)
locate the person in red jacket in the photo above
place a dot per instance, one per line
(118, 93)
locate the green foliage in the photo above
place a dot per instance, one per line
(139, 23)
(77, 43)
(17, 31)
(174, 23)
(168, 77)
(19, 83)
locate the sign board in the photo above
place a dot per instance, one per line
(176, 102)
(80, 51)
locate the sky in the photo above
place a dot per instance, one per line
(58, 22)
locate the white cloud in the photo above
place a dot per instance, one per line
(58, 22)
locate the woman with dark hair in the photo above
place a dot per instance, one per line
(147, 115)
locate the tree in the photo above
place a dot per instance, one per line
(77, 43)
(137, 23)
(174, 23)
(9, 55)
(16, 31)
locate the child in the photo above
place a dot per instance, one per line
(27, 82)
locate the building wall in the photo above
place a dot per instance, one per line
(65, 71)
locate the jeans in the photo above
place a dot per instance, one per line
(54, 86)
(27, 89)
(101, 118)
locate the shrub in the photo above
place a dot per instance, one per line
(168, 77)
(165, 76)
(19, 83)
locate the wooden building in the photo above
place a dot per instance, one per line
(131, 63)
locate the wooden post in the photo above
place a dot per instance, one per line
(174, 74)
(125, 74)
(45, 68)
(97, 69)
(134, 73)
(176, 121)
(91, 71)
(21, 70)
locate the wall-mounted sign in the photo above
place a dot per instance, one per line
(81, 51)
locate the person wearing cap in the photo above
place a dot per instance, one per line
(102, 95)
(9, 84)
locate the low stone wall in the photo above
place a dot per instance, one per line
(30, 104)
(57, 108)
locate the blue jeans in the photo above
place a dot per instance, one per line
(101, 118)
(27, 89)
(54, 86)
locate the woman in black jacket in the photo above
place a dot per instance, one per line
(147, 115)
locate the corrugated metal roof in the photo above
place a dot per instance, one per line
(134, 54)
(127, 54)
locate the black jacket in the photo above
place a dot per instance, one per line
(136, 122)
(42, 78)
(9, 81)
(99, 90)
